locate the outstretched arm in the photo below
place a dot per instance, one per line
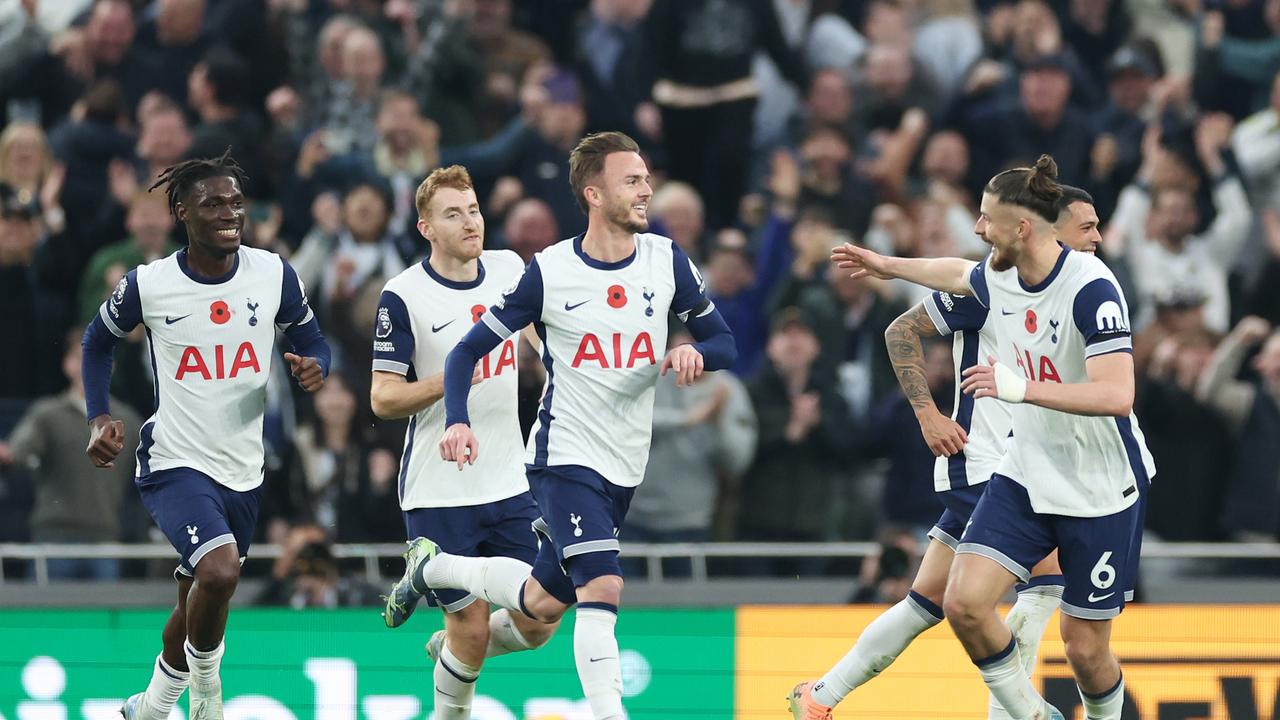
(950, 275)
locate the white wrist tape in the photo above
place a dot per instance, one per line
(1010, 386)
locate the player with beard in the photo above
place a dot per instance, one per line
(1076, 464)
(599, 302)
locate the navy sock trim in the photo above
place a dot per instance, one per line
(1040, 580)
(926, 604)
(454, 673)
(1102, 695)
(599, 606)
(164, 669)
(524, 608)
(989, 661)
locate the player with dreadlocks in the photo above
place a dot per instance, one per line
(210, 312)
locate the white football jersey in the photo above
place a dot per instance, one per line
(1074, 465)
(986, 421)
(421, 317)
(211, 344)
(604, 333)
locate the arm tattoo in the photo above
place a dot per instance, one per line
(907, 354)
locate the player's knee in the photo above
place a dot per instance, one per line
(602, 589)
(962, 610)
(1087, 655)
(537, 634)
(218, 573)
(470, 637)
(597, 577)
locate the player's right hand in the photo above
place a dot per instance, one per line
(459, 445)
(106, 440)
(943, 435)
(863, 262)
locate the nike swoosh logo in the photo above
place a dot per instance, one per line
(569, 307)
(169, 321)
(1100, 598)
(438, 328)
(603, 658)
(1006, 312)
(445, 693)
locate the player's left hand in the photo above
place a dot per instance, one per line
(307, 371)
(686, 361)
(994, 380)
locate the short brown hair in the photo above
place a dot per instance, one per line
(454, 176)
(587, 159)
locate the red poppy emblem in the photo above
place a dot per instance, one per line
(617, 296)
(476, 312)
(1031, 321)
(219, 313)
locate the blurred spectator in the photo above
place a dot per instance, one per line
(307, 575)
(364, 249)
(59, 72)
(1252, 410)
(74, 501)
(1233, 74)
(888, 85)
(348, 489)
(828, 103)
(1256, 142)
(678, 213)
(506, 54)
(740, 282)
(886, 578)
(1187, 435)
(852, 316)
(530, 228)
(30, 311)
(702, 52)
(803, 437)
(1002, 134)
(172, 41)
(1262, 300)
(149, 224)
(1155, 228)
(948, 42)
(704, 438)
(1119, 126)
(27, 166)
(830, 180)
(216, 89)
(613, 62)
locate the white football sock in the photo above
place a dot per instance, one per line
(878, 646)
(1012, 688)
(496, 580)
(204, 666)
(1027, 620)
(595, 651)
(1106, 706)
(504, 636)
(164, 690)
(455, 686)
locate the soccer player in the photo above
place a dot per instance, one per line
(211, 312)
(968, 445)
(1071, 475)
(424, 311)
(599, 303)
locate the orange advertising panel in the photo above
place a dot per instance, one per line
(1181, 662)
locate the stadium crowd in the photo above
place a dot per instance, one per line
(778, 129)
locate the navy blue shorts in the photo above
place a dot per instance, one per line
(498, 529)
(959, 504)
(198, 514)
(583, 514)
(1094, 552)
(1135, 551)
